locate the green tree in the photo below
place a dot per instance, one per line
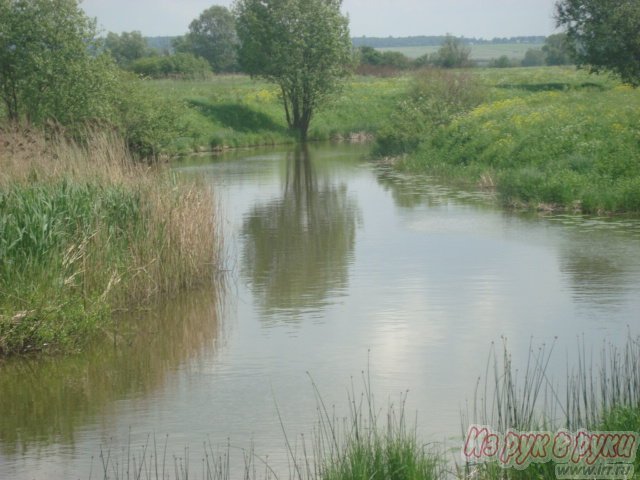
(181, 65)
(301, 45)
(556, 50)
(603, 35)
(370, 56)
(46, 71)
(533, 57)
(453, 54)
(126, 47)
(212, 36)
(501, 62)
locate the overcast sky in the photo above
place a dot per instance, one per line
(374, 18)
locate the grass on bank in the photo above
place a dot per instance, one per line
(599, 396)
(236, 111)
(546, 138)
(84, 230)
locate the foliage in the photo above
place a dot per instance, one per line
(370, 56)
(452, 54)
(84, 230)
(534, 57)
(212, 36)
(49, 78)
(301, 45)
(435, 97)
(603, 35)
(502, 62)
(126, 47)
(546, 137)
(148, 122)
(179, 65)
(556, 50)
(46, 71)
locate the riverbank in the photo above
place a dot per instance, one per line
(233, 111)
(545, 138)
(86, 231)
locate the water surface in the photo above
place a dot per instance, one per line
(336, 267)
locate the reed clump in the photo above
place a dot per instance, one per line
(599, 395)
(85, 230)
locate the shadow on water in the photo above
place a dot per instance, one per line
(240, 118)
(47, 400)
(297, 249)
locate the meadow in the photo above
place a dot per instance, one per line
(233, 111)
(545, 138)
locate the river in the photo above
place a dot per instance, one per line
(338, 269)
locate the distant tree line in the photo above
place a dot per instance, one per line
(438, 40)
(455, 53)
(212, 36)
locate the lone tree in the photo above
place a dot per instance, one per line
(453, 54)
(603, 35)
(212, 36)
(304, 46)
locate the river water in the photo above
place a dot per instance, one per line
(336, 267)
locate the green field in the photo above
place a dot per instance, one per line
(479, 53)
(235, 111)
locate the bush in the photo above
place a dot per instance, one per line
(453, 54)
(180, 65)
(502, 62)
(435, 97)
(534, 57)
(145, 119)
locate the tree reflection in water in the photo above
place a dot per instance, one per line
(298, 248)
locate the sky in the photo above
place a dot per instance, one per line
(373, 18)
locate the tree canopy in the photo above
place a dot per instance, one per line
(301, 45)
(46, 71)
(212, 36)
(603, 35)
(126, 47)
(452, 54)
(556, 50)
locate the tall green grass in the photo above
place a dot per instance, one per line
(84, 230)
